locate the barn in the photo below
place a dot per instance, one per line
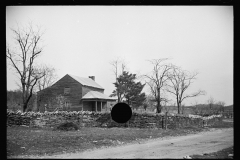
(75, 94)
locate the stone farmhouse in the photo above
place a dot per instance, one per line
(79, 94)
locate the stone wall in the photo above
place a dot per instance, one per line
(228, 114)
(92, 119)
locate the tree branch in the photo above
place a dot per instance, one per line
(194, 94)
(9, 56)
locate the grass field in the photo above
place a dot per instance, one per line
(38, 141)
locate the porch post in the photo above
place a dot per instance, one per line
(101, 106)
(82, 105)
(96, 105)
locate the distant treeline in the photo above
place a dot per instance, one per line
(200, 109)
(14, 100)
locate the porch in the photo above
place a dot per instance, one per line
(94, 105)
(95, 101)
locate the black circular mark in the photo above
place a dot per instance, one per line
(121, 112)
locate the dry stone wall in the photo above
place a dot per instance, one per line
(228, 114)
(92, 119)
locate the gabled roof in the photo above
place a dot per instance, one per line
(96, 95)
(86, 81)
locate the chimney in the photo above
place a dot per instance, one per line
(92, 77)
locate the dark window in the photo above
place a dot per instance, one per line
(67, 104)
(66, 91)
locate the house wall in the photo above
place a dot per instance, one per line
(45, 98)
(47, 95)
(104, 106)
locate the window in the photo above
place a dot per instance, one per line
(66, 90)
(67, 104)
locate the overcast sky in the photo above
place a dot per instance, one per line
(82, 40)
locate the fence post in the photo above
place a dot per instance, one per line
(162, 122)
(166, 120)
(110, 118)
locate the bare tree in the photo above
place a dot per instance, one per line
(195, 107)
(149, 101)
(23, 59)
(48, 79)
(180, 82)
(221, 104)
(158, 79)
(210, 102)
(117, 64)
(166, 107)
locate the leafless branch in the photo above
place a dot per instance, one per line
(28, 41)
(180, 82)
(48, 78)
(211, 101)
(201, 92)
(158, 79)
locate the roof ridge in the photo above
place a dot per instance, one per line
(86, 81)
(77, 76)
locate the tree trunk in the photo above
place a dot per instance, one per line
(159, 108)
(178, 105)
(23, 97)
(24, 104)
(24, 107)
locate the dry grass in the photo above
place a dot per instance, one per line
(46, 141)
(39, 141)
(226, 153)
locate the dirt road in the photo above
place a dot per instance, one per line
(169, 147)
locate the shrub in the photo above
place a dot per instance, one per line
(67, 126)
